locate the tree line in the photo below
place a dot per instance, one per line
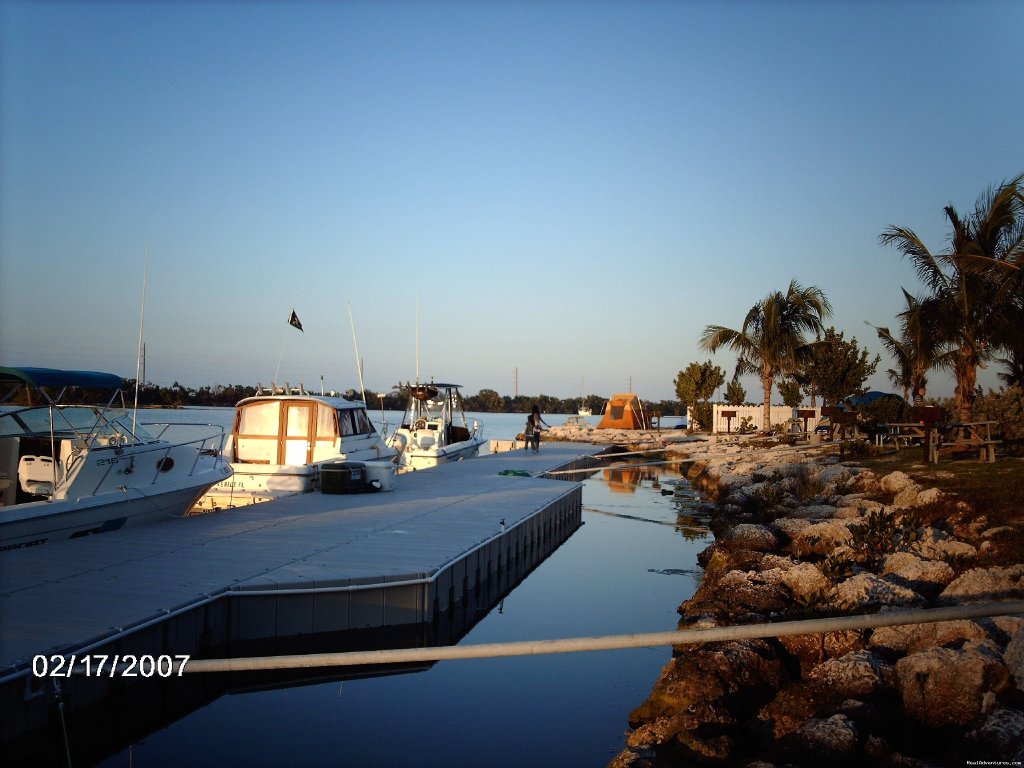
(485, 401)
(969, 313)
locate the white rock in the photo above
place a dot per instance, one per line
(895, 482)
(984, 584)
(868, 590)
(911, 568)
(821, 538)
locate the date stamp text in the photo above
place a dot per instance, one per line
(105, 665)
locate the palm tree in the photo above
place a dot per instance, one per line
(772, 334)
(916, 350)
(971, 302)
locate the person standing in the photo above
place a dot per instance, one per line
(535, 421)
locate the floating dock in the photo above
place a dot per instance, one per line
(307, 566)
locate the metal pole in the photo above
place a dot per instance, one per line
(607, 642)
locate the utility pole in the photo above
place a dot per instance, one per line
(517, 381)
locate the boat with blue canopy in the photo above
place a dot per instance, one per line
(74, 460)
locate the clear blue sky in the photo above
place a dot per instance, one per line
(570, 189)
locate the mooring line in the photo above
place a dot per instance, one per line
(607, 642)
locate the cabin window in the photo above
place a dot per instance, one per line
(326, 428)
(617, 411)
(259, 419)
(363, 425)
(345, 420)
(298, 421)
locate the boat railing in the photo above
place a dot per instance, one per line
(205, 445)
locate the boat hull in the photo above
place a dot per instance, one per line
(40, 522)
(415, 459)
(255, 483)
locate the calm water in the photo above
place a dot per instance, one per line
(625, 570)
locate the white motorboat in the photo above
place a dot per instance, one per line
(282, 439)
(434, 429)
(69, 470)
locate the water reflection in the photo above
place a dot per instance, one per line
(619, 573)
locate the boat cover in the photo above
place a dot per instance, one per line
(55, 377)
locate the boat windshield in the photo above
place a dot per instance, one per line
(84, 420)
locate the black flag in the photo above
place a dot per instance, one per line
(294, 321)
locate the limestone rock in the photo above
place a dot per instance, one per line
(812, 650)
(916, 573)
(946, 687)
(866, 590)
(908, 497)
(805, 580)
(750, 536)
(939, 545)
(910, 638)
(1002, 733)
(1013, 657)
(984, 584)
(853, 675)
(896, 482)
(821, 538)
(791, 526)
(737, 593)
(828, 738)
(928, 496)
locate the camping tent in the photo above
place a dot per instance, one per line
(624, 411)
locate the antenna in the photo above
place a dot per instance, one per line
(138, 359)
(417, 338)
(359, 360)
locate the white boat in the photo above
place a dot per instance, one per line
(69, 470)
(280, 441)
(434, 429)
(583, 410)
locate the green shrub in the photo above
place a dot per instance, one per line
(703, 414)
(1006, 407)
(806, 483)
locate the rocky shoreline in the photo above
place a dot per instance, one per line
(799, 534)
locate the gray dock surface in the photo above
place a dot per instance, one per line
(72, 596)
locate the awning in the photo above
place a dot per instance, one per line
(55, 377)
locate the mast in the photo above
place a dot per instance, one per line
(141, 351)
(359, 360)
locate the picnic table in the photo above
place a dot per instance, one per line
(969, 435)
(905, 432)
(938, 436)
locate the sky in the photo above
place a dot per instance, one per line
(541, 197)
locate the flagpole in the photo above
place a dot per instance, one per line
(280, 357)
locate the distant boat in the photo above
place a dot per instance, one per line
(434, 429)
(72, 470)
(583, 409)
(280, 441)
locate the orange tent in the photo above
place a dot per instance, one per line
(624, 411)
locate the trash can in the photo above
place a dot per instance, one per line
(344, 477)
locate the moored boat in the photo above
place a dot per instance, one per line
(70, 470)
(434, 429)
(281, 440)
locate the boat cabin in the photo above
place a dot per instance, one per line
(295, 430)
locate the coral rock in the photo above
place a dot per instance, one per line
(750, 536)
(910, 638)
(983, 584)
(866, 590)
(943, 687)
